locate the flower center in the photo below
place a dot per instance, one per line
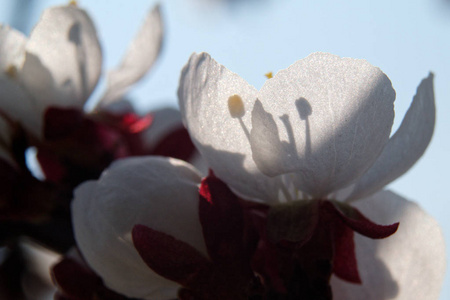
(288, 192)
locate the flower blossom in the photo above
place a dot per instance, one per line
(60, 64)
(103, 224)
(46, 80)
(318, 127)
(317, 133)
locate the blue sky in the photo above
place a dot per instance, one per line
(406, 39)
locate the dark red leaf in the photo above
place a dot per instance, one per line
(61, 122)
(222, 221)
(354, 219)
(23, 197)
(75, 280)
(77, 146)
(177, 144)
(167, 256)
(345, 265)
(51, 166)
(130, 126)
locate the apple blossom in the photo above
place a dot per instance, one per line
(65, 51)
(46, 80)
(132, 191)
(148, 231)
(318, 130)
(60, 64)
(320, 125)
(295, 154)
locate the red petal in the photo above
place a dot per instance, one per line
(133, 123)
(221, 217)
(177, 144)
(345, 265)
(354, 219)
(75, 280)
(61, 122)
(51, 166)
(80, 142)
(167, 256)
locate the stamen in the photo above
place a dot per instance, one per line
(236, 106)
(73, 2)
(11, 71)
(284, 189)
(269, 75)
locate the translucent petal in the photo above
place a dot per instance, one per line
(66, 43)
(156, 192)
(406, 146)
(138, 60)
(12, 48)
(216, 107)
(333, 116)
(14, 100)
(407, 265)
(17, 103)
(38, 82)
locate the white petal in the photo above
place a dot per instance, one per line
(37, 80)
(406, 146)
(157, 192)
(14, 100)
(333, 116)
(17, 103)
(221, 136)
(12, 48)
(22, 75)
(407, 265)
(138, 60)
(66, 43)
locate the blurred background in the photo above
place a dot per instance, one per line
(406, 39)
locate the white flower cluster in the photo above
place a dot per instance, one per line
(319, 130)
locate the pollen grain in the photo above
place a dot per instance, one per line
(236, 106)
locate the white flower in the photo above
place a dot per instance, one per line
(320, 126)
(60, 64)
(325, 121)
(410, 264)
(160, 193)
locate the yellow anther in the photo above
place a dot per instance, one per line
(268, 75)
(73, 2)
(11, 71)
(236, 106)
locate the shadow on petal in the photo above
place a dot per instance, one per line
(377, 280)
